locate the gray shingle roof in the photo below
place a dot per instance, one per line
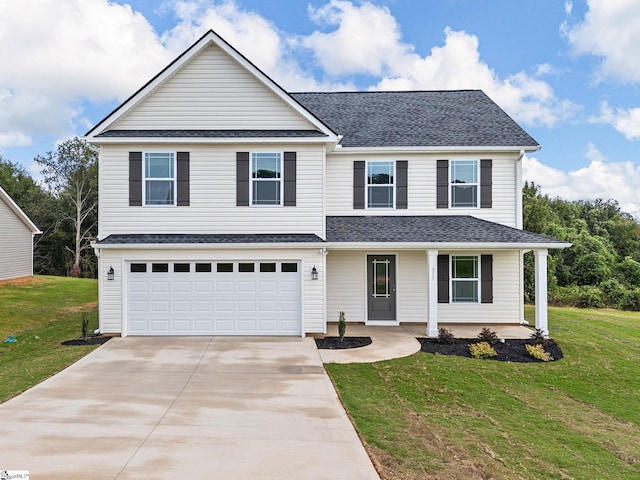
(428, 229)
(212, 133)
(416, 118)
(129, 239)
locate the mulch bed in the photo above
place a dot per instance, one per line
(334, 343)
(97, 340)
(509, 351)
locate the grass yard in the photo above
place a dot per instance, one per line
(41, 314)
(433, 416)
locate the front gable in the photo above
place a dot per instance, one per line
(211, 89)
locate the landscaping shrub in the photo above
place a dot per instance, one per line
(342, 325)
(445, 336)
(488, 335)
(482, 350)
(537, 337)
(537, 351)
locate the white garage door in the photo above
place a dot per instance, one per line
(214, 298)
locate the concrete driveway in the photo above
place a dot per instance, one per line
(187, 408)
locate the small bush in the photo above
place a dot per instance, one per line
(445, 336)
(564, 296)
(589, 297)
(482, 350)
(612, 292)
(488, 335)
(85, 327)
(537, 337)
(631, 300)
(342, 325)
(537, 352)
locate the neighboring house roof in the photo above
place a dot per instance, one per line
(467, 118)
(435, 229)
(18, 211)
(220, 238)
(212, 133)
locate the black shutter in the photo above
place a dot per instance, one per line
(242, 179)
(443, 278)
(486, 280)
(290, 179)
(402, 167)
(358, 184)
(442, 184)
(183, 179)
(135, 179)
(485, 183)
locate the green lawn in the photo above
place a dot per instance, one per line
(41, 314)
(432, 416)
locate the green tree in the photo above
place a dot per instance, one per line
(71, 173)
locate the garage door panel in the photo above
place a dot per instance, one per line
(207, 302)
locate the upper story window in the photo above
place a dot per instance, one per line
(159, 178)
(266, 178)
(465, 279)
(380, 184)
(464, 183)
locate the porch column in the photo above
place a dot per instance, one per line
(541, 290)
(432, 271)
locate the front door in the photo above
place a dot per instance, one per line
(381, 278)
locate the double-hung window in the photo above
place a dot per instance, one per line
(465, 279)
(159, 178)
(464, 183)
(380, 184)
(266, 178)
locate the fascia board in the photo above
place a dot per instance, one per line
(207, 246)
(208, 140)
(441, 246)
(13, 206)
(341, 150)
(203, 42)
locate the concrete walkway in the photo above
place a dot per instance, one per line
(400, 341)
(185, 407)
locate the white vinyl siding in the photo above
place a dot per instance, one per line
(16, 245)
(212, 195)
(212, 91)
(422, 186)
(507, 294)
(114, 296)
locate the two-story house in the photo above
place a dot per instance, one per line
(229, 206)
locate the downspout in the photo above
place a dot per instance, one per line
(519, 225)
(97, 253)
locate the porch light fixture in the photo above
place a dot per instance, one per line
(111, 275)
(314, 273)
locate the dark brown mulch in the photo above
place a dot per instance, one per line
(97, 340)
(509, 351)
(334, 343)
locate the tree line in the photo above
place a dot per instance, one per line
(602, 268)
(64, 206)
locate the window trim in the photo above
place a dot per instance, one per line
(367, 185)
(477, 280)
(252, 180)
(476, 184)
(174, 180)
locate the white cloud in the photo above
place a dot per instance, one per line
(94, 50)
(626, 121)
(611, 30)
(600, 179)
(367, 40)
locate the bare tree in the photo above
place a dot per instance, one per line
(71, 173)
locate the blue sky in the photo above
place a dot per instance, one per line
(567, 71)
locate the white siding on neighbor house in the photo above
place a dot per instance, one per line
(16, 245)
(507, 294)
(212, 194)
(347, 285)
(213, 92)
(422, 186)
(113, 293)
(346, 288)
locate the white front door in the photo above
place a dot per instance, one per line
(214, 298)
